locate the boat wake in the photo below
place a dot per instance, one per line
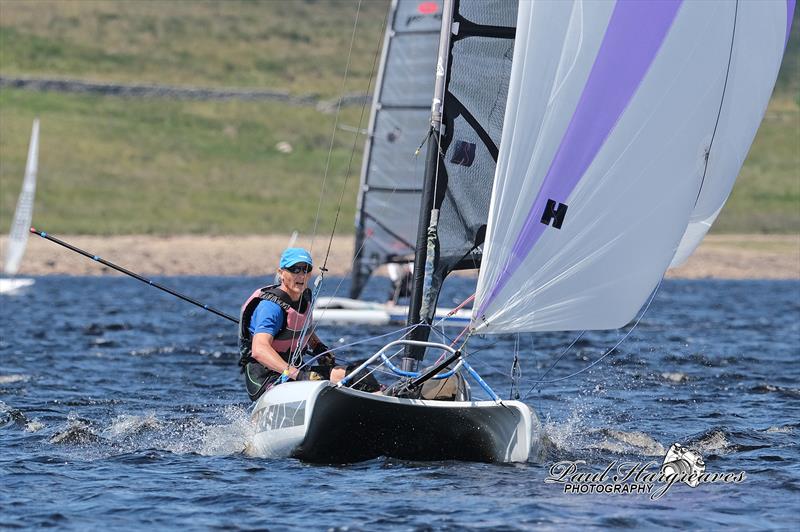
(13, 379)
(792, 393)
(714, 441)
(130, 433)
(573, 437)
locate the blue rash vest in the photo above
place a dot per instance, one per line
(267, 318)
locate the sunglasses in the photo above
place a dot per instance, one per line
(299, 268)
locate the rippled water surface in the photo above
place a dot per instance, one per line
(122, 406)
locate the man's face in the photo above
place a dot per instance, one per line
(294, 279)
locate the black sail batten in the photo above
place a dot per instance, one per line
(457, 108)
(476, 87)
(380, 224)
(395, 190)
(393, 107)
(467, 28)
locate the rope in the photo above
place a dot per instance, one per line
(323, 268)
(353, 151)
(404, 329)
(356, 253)
(563, 353)
(590, 366)
(297, 356)
(335, 124)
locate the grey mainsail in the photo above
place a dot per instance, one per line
(476, 84)
(391, 176)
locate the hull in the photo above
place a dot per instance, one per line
(319, 422)
(10, 286)
(340, 310)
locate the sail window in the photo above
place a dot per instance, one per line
(464, 153)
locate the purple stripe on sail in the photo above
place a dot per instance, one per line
(789, 17)
(634, 35)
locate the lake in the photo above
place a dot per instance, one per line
(121, 406)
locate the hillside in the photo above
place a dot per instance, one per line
(122, 165)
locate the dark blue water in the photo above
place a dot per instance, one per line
(121, 406)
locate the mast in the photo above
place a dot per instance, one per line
(426, 230)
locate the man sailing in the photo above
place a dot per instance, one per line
(276, 323)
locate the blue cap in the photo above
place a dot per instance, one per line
(292, 256)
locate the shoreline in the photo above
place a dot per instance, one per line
(718, 257)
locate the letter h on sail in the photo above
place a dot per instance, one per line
(554, 212)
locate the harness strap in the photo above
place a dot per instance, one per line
(268, 296)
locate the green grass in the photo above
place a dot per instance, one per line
(766, 197)
(111, 165)
(297, 45)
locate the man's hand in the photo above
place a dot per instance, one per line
(328, 359)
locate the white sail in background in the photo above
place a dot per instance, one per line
(18, 237)
(611, 110)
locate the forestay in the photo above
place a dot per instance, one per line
(616, 111)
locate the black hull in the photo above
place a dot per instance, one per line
(349, 426)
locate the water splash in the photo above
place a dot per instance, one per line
(621, 442)
(11, 379)
(128, 433)
(580, 432)
(674, 376)
(77, 431)
(228, 438)
(793, 393)
(126, 425)
(712, 442)
(785, 429)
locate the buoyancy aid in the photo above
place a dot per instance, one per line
(288, 338)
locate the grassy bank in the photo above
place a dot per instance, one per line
(118, 166)
(114, 165)
(296, 45)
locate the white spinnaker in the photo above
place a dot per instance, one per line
(628, 209)
(18, 237)
(758, 48)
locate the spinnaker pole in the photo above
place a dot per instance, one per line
(129, 273)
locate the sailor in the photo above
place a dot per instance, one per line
(401, 276)
(276, 323)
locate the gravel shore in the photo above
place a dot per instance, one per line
(719, 256)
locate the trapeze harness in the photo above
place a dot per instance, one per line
(258, 378)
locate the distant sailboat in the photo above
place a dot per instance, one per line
(18, 237)
(391, 177)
